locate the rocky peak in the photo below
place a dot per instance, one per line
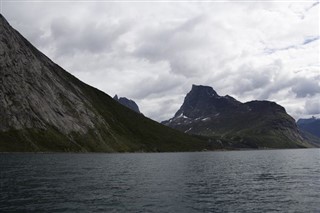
(203, 91)
(204, 101)
(128, 103)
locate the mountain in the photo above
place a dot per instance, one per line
(44, 108)
(230, 123)
(311, 125)
(128, 103)
(310, 130)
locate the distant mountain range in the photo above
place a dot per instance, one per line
(310, 130)
(44, 108)
(311, 125)
(223, 119)
(128, 103)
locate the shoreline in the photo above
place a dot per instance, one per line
(217, 150)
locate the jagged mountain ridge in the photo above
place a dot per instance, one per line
(44, 108)
(255, 124)
(204, 101)
(128, 103)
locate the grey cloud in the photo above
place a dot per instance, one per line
(155, 87)
(300, 86)
(90, 36)
(312, 6)
(307, 40)
(310, 39)
(264, 82)
(175, 45)
(190, 24)
(304, 87)
(312, 106)
(164, 109)
(303, 10)
(248, 78)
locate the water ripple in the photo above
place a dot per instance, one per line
(244, 181)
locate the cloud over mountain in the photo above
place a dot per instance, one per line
(154, 52)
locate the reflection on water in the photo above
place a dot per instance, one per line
(241, 181)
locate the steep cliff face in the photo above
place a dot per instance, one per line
(255, 124)
(35, 93)
(44, 108)
(204, 101)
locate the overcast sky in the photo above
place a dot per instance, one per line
(153, 52)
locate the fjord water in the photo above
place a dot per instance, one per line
(233, 181)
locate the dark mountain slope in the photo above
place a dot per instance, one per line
(223, 119)
(44, 108)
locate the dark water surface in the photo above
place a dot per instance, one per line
(234, 181)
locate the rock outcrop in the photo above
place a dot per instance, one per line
(128, 103)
